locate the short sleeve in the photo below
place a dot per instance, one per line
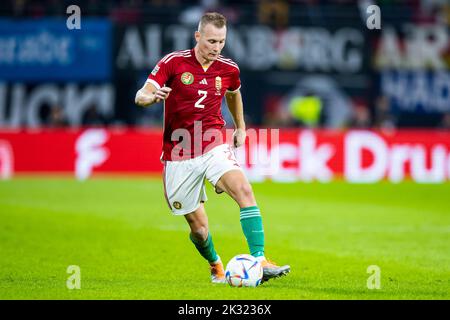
(235, 82)
(160, 74)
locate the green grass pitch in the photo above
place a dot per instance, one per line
(129, 246)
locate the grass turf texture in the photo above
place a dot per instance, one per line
(128, 246)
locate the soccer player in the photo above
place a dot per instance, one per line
(192, 84)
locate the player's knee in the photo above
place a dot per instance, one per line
(245, 191)
(200, 232)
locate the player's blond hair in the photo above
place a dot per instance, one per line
(214, 18)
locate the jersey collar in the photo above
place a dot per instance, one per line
(198, 63)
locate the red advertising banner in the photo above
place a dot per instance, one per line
(81, 152)
(286, 155)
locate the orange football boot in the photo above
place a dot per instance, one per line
(272, 270)
(217, 272)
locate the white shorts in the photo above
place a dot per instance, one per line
(184, 181)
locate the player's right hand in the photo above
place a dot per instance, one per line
(162, 94)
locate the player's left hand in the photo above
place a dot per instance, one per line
(239, 136)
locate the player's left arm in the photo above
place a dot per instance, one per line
(236, 107)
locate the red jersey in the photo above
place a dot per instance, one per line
(195, 99)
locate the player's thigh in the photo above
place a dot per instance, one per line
(235, 183)
(225, 173)
(184, 187)
(220, 161)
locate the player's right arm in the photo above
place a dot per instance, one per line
(149, 94)
(154, 90)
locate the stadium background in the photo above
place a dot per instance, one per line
(365, 105)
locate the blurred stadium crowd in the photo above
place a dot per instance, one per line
(304, 63)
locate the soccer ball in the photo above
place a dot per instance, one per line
(244, 270)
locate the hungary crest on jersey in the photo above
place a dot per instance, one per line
(187, 78)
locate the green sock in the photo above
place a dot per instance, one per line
(252, 226)
(206, 248)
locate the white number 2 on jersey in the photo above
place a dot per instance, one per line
(203, 97)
